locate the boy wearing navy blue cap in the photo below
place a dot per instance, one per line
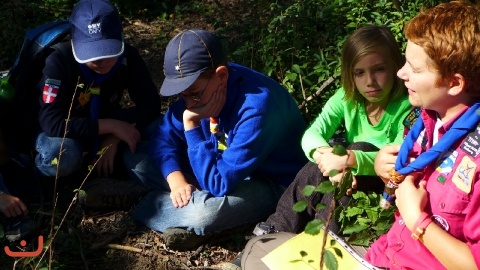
(89, 88)
(223, 152)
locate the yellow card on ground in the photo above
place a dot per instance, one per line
(288, 256)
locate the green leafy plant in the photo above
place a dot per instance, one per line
(362, 220)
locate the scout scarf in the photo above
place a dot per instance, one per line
(466, 122)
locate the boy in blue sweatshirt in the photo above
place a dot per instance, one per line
(223, 152)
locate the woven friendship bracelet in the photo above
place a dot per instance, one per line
(395, 176)
(419, 228)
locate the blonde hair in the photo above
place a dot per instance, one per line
(364, 41)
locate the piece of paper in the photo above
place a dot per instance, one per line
(288, 256)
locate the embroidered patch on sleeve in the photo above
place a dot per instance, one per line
(464, 174)
(50, 90)
(412, 117)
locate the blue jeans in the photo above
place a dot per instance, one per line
(253, 200)
(48, 149)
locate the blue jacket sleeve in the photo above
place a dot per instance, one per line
(251, 141)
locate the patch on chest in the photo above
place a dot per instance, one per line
(84, 98)
(464, 174)
(126, 102)
(446, 161)
(471, 144)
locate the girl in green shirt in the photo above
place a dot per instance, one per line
(371, 106)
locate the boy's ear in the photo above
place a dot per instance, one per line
(457, 84)
(222, 73)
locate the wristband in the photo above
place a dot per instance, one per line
(419, 228)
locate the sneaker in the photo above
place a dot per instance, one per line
(264, 228)
(235, 264)
(181, 239)
(19, 228)
(110, 194)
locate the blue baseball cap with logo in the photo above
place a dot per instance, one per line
(96, 31)
(189, 54)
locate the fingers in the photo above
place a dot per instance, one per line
(133, 140)
(354, 182)
(391, 149)
(19, 208)
(12, 206)
(106, 162)
(336, 179)
(181, 196)
(422, 184)
(128, 133)
(323, 150)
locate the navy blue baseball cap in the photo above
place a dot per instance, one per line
(189, 54)
(96, 31)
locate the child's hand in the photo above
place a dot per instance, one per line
(411, 199)
(385, 161)
(329, 161)
(12, 206)
(212, 108)
(339, 177)
(181, 194)
(105, 165)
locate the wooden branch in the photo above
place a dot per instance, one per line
(322, 87)
(126, 248)
(327, 228)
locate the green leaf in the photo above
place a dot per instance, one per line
(372, 214)
(54, 161)
(333, 172)
(354, 229)
(339, 150)
(359, 195)
(325, 187)
(353, 211)
(330, 260)
(300, 206)
(291, 76)
(363, 238)
(345, 184)
(338, 252)
(308, 190)
(303, 253)
(296, 68)
(320, 206)
(313, 227)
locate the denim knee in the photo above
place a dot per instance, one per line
(48, 149)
